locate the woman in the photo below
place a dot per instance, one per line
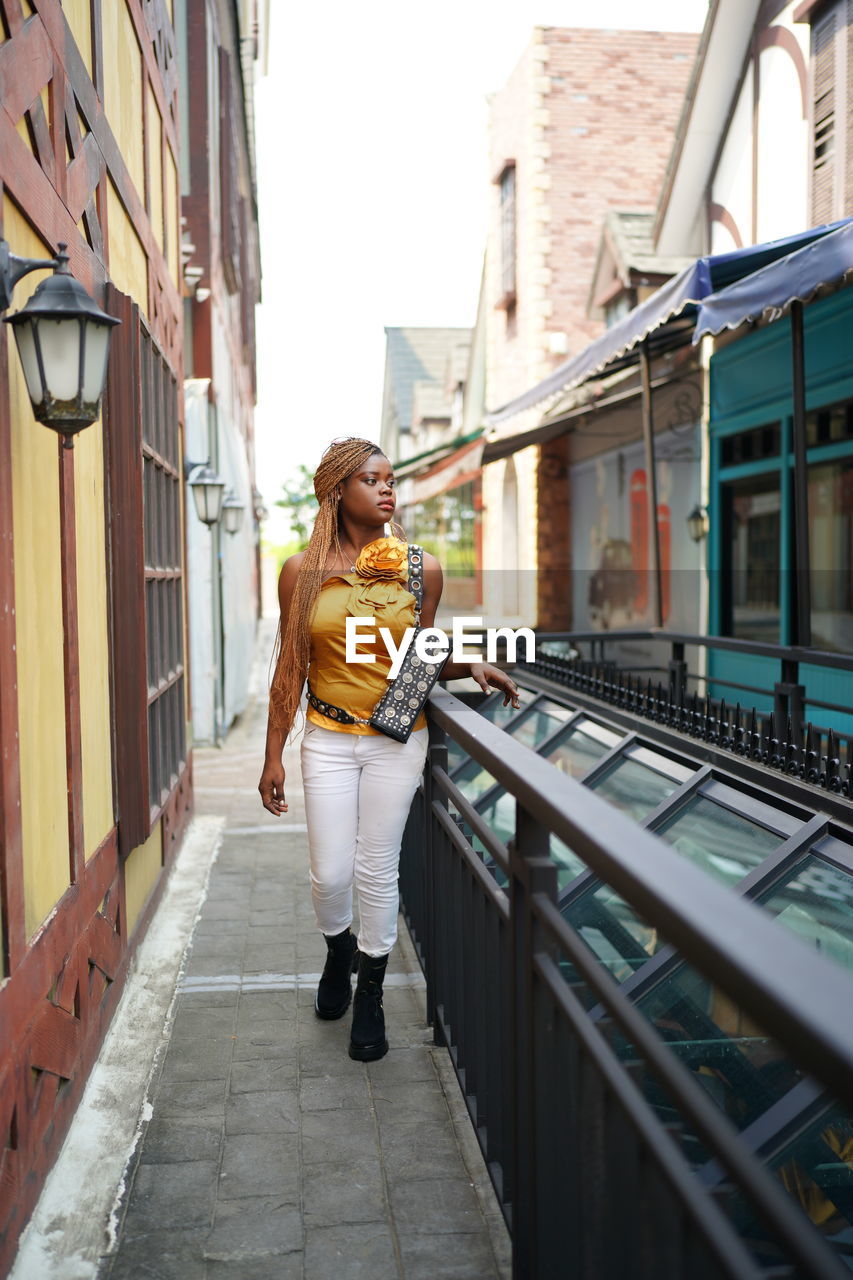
(358, 782)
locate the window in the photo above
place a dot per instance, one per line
(831, 110)
(508, 240)
(164, 627)
(142, 444)
(751, 548)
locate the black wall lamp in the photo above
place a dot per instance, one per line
(697, 523)
(63, 340)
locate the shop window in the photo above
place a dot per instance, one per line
(830, 505)
(751, 547)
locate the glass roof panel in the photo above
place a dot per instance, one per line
(816, 1169)
(816, 902)
(493, 709)
(612, 930)
(544, 717)
(742, 1068)
(725, 844)
(499, 814)
(638, 781)
(581, 746)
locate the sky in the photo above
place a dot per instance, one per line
(372, 189)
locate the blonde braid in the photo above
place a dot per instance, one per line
(292, 650)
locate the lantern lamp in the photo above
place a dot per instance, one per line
(208, 488)
(63, 340)
(232, 513)
(697, 523)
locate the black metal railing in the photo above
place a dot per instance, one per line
(554, 1058)
(783, 739)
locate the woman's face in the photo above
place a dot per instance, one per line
(368, 495)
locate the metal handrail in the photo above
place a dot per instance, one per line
(799, 996)
(757, 648)
(503, 1006)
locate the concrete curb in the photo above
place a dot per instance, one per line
(74, 1221)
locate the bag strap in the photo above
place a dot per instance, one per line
(416, 578)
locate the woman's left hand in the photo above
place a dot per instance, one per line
(486, 675)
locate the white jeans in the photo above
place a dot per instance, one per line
(358, 792)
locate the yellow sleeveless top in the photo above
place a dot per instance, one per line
(377, 590)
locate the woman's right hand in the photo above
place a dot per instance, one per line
(271, 787)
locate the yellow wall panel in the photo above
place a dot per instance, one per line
(128, 263)
(155, 166)
(79, 18)
(173, 220)
(141, 870)
(123, 87)
(39, 632)
(94, 645)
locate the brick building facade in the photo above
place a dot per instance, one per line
(584, 124)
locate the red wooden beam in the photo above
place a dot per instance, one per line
(11, 840)
(71, 661)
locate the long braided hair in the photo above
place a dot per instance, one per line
(292, 649)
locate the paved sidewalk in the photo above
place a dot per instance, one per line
(269, 1153)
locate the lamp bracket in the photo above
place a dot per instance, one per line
(13, 269)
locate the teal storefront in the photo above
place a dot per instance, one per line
(751, 550)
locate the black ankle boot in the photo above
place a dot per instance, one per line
(335, 990)
(367, 1041)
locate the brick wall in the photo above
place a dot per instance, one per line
(589, 118)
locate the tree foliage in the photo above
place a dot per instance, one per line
(299, 502)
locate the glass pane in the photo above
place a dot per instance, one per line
(494, 710)
(742, 1068)
(817, 903)
(751, 546)
(725, 844)
(543, 719)
(830, 424)
(613, 931)
(751, 446)
(634, 787)
(830, 496)
(816, 1170)
(473, 780)
(500, 816)
(583, 744)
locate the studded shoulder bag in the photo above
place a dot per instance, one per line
(399, 707)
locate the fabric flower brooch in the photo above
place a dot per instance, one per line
(384, 560)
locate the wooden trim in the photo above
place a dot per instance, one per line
(33, 192)
(152, 69)
(55, 1010)
(719, 213)
(71, 661)
(11, 838)
(97, 47)
(123, 448)
(782, 38)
